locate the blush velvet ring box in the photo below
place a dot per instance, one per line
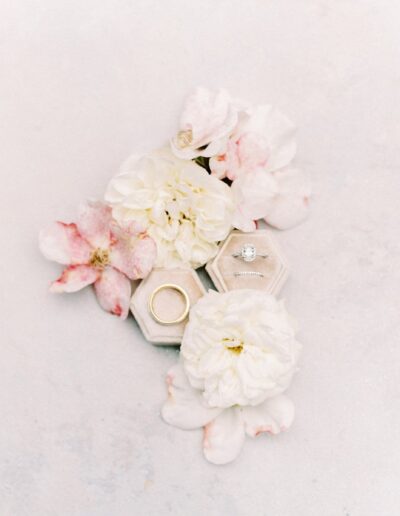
(249, 260)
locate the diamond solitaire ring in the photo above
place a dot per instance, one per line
(248, 253)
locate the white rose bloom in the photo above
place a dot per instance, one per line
(239, 348)
(238, 356)
(184, 209)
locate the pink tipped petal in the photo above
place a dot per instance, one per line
(74, 278)
(134, 255)
(290, 206)
(184, 407)
(94, 223)
(113, 291)
(273, 416)
(62, 243)
(224, 437)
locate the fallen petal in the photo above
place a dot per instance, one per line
(184, 407)
(272, 416)
(224, 437)
(63, 243)
(74, 278)
(113, 291)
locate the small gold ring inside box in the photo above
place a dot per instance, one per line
(181, 291)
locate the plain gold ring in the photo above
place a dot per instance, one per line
(181, 291)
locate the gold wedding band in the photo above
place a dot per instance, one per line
(181, 291)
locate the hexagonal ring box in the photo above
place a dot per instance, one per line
(168, 303)
(249, 260)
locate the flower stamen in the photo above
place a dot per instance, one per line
(100, 258)
(185, 138)
(237, 346)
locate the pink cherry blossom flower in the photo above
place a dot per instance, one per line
(99, 252)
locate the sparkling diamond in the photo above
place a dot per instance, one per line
(249, 252)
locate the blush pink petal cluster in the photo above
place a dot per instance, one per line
(254, 148)
(99, 252)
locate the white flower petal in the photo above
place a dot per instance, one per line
(277, 130)
(272, 416)
(184, 407)
(290, 206)
(263, 137)
(208, 117)
(239, 347)
(224, 437)
(254, 193)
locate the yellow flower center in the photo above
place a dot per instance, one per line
(100, 258)
(185, 138)
(233, 345)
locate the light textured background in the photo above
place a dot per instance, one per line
(84, 83)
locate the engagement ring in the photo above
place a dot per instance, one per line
(248, 253)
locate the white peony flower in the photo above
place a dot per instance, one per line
(184, 209)
(206, 122)
(238, 356)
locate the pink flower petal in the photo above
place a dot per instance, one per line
(63, 243)
(290, 205)
(94, 223)
(133, 255)
(224, 437)
(253, 193)
(272, 416)
(113, 291)
(74, 278)
(184, 407)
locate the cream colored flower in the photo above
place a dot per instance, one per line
(184, 209)
(206, 122)
(239, 348)
(238, 356)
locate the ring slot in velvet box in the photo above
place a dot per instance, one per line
(236, 266)
(168, 303)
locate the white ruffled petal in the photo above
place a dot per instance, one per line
(185, 407)
(224, 437)
(272, 416)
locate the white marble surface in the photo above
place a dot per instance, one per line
(85, 83)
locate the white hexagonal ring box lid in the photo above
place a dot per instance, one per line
(249, 260)
(168, 303)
